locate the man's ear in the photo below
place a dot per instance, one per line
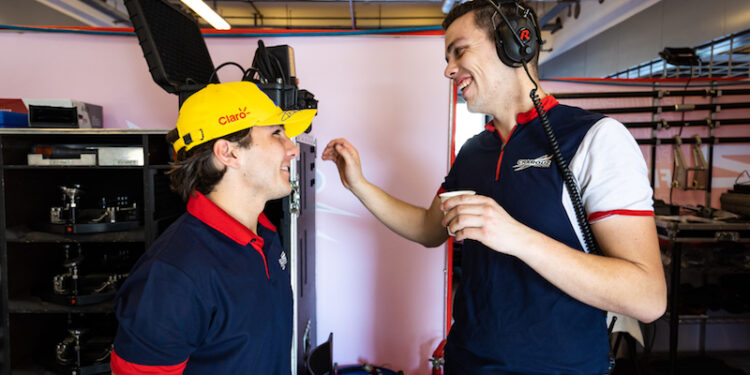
(226, 153)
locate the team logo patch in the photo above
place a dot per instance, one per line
(543, 161)
(524, 34)
(241, 114)
(283, 261)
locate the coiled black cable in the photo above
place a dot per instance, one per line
(567, 175)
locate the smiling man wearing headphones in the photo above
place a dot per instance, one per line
(536, 279)
(212, 295)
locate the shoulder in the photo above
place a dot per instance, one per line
(482, 141)
(187, 245)
(608, 133)
(576, 113)
(573, 119)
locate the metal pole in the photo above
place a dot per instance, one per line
(709, 184)
(711, 62)
(674, 319)
(731, 52)
(654, 136)
(351, 14)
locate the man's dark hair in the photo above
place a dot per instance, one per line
(194, 170)
(483, 13)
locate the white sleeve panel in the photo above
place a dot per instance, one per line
(611, 173)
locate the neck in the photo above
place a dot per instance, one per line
(243, 206)
(518, 102)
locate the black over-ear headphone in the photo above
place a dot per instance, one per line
(517, 38)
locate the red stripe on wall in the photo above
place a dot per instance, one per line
(208, 31)
(695, 79)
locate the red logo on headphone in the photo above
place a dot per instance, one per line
(524, 35)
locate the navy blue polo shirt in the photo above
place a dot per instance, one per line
(508, 318)
(208, 297)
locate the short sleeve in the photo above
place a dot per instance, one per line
(450, 183)
(612, 173)
(162, 318)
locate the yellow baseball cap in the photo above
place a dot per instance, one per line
(224, 108)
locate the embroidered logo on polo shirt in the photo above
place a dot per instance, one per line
(543, 161)
(283, 261)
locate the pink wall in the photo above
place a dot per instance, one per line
(380, 295)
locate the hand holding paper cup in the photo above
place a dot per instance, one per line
(450, 194)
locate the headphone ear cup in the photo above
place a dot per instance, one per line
(507, 46)
(500, 48)
(529, 34)
(510, 52)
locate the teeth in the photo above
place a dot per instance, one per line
(464, 84)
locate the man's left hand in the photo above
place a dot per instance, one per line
(482, 219)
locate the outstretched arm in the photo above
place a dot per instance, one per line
(411, 222)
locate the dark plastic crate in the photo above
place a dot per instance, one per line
(172, 44)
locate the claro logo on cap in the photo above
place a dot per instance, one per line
(223, 120)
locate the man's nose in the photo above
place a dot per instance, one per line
(450, 70)
(292, 149)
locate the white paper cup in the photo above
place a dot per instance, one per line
(451, 194)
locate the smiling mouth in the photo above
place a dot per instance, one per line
(464, 83)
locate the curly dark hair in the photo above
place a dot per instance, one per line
(483, 13)
(194, 170)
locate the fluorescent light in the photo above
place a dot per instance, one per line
(208, 14)
(83, 12)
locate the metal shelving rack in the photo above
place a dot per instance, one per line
(681, 231)
(677, 233)
(30, 323)
(728, 56)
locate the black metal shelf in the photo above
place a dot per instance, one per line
(664, 124)
(24, 235)
(31, 253)
(716, 270)
(711, 317)
(689, 230)
(659, 93)
(35, 305)
(68, 167)
(717, 107)
(706, 231)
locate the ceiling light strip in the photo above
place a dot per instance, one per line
(208, 14)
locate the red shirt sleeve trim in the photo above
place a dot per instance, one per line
(440, 191)
(122, 367)
(603, 214)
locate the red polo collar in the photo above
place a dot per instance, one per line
(213, 216)
(548, 102)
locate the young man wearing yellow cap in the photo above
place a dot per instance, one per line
(212, 295)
